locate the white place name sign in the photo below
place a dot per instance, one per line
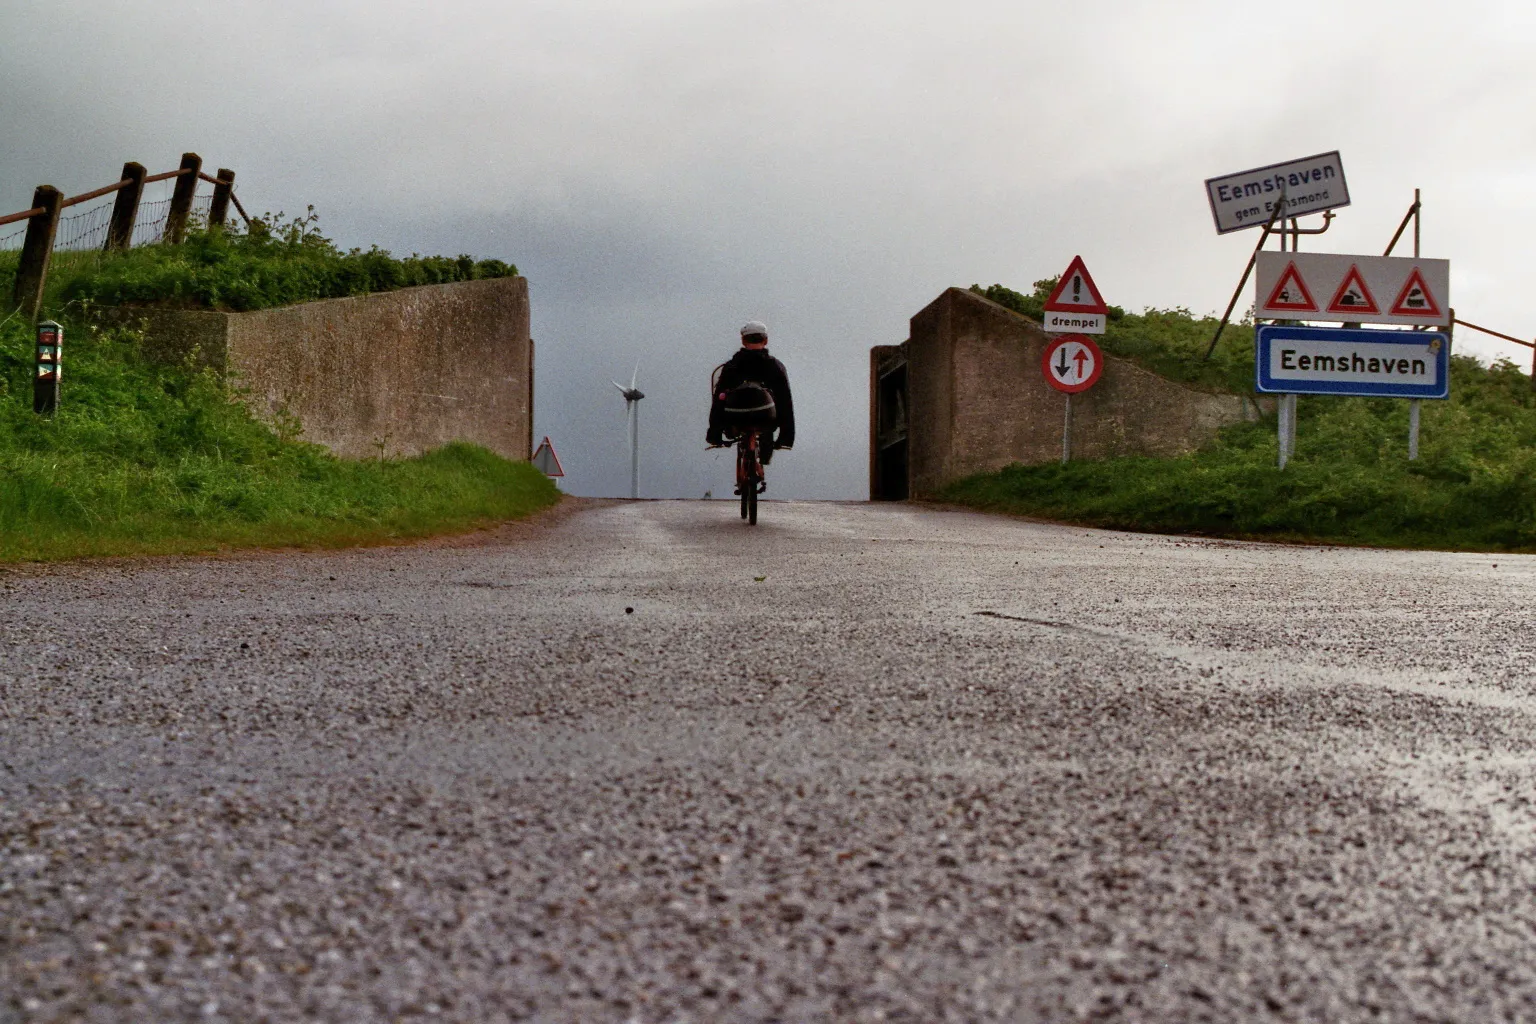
(1247, 199)
(1336, 361)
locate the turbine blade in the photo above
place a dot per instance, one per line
(635, 377)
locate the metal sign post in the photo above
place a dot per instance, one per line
(48, 365)
(1413, 403)
(1292, 360)
(1066, 433)
(1070, 364)
(1286, 415)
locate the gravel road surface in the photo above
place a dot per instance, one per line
(859, 763)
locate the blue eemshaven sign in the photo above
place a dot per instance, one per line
(1344, 361)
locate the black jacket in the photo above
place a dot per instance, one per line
(758, 367)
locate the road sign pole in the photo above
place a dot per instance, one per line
(1290, 429)
(1243, 283)
(1280, 428)
(1413, 429)
(1287, 417)
(1066, 433)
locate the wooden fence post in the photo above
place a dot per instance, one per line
(219, 211)
(32, 271)
(126, 210)
(181, 199)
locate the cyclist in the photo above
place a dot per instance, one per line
(752, 364)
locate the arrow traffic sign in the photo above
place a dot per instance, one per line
(1072, 363)
(546, 461)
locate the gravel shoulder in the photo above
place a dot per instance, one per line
(637, 761)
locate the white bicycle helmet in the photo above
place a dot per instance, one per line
(754, 327)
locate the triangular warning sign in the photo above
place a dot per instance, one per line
(1076, 292)
(546, 461)
(1353, 296)
(1291, 293)
(1415, 299)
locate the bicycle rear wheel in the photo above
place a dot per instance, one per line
(751, 500)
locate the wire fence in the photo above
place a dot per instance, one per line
(87, 230)
(80, 241)
(90, 228)
(150, 226)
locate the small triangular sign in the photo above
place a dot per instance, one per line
(1076, 292)
(1353, 296)
(1415, 299)
(546, 461)
(1291, 293)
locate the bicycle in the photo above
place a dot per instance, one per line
(749, 475)
(749, 471)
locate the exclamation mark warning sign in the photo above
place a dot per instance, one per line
(1076, 292)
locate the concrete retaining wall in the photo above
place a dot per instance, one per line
(977, 400)
(394, 373)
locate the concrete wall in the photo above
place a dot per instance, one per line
(395, 373)
(978, 401)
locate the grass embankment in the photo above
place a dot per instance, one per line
(277, 263)
(152, 459)
(1472, 488)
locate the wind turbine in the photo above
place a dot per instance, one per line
(632, 396)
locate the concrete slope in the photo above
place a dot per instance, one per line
(858, 763)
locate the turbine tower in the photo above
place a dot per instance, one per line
(632, 396)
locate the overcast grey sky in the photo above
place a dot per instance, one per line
(662, 170)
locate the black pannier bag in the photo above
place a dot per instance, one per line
(748, 406)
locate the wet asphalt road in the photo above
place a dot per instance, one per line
(858, 763)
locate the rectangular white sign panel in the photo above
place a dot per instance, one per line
(1354, 361)
(1247, 199)
(1352, 289)
(1074, 323)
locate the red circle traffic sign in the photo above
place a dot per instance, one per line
(1072, 363)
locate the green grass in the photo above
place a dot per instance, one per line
(277, 263)
(150, 459)
(1473, 487)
